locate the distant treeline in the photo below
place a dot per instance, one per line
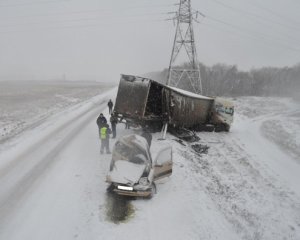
(227, 80)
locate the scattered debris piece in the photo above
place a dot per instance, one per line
(200, 148)
(184, 134)
(180, 141)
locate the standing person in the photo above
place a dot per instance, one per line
(104, 135)
(147, 135)
(113, 122)
(110, 106)
(101, 120)
(127, 126)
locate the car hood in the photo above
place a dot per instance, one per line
(125, 172)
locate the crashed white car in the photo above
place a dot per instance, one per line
(132, 169)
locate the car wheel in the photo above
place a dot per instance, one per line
(153, 190)
(110, 188)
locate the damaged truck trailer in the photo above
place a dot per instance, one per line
(146, 102)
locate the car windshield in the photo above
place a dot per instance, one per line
(129, 153)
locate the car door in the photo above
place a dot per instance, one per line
(163, 163)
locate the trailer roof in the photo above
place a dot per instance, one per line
(177, 90)
(189, 94)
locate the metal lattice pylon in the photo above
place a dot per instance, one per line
(184, 41)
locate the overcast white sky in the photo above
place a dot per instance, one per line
(98, 40)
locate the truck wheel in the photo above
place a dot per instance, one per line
(221, 128)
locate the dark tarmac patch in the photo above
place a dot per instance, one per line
(118, 209)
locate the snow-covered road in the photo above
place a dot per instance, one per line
(52, 185)
(46, 179)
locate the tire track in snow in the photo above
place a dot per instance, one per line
(244, 191)
(213, 225)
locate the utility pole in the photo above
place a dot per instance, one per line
(187, 77)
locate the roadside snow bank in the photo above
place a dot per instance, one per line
(279, 120)
(285, 134)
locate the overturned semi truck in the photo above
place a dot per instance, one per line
(146, 102)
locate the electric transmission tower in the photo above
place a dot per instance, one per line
(188, 76)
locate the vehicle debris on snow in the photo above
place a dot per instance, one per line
(200, 148)
(184, 134)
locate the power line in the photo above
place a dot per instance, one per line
(79, 19)
(79, 12)
(256, 16)
(247, 32)
(258, 5)
(247, 36)
(62, 1)
(82, 26)
(32, 3)
(238, 28)
(71, 13)
(65, 14)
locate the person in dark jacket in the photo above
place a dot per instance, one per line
(127, 125)
(110, 106)
(147, 135)
(101, 120)
(104, 136)
(113, 122)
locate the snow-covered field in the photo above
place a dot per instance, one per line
(24, 105)
(246, 187)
